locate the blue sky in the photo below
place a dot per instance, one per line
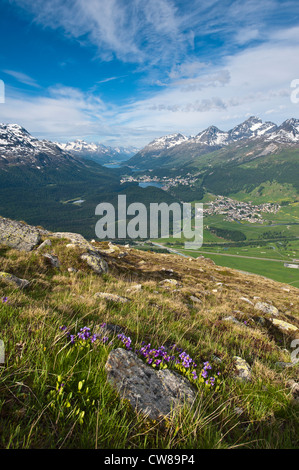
(124, 72)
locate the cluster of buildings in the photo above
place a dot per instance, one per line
(165, 181)
(236, 210)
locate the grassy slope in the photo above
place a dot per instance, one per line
(33, 414)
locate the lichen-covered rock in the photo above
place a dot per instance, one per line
(11, 279)
(95, 262)
(283, 325)
(243, 370)
(154, 393)
(111, 297)
(75, 238)
(18, 235)
(266, 308)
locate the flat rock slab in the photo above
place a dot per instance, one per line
(154, 393)
(283, 325)
(18, 235)
(11, 279)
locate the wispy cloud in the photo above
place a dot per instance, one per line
(22, 78)
(212, 62)
(110, 79)
(130, 31)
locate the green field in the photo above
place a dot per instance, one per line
(264, 251)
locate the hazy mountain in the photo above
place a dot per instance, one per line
(98, 152)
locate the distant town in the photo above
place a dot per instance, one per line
(164, 181)
(236, 210)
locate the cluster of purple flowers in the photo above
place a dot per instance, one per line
(85, 335)
(126, 340)
(155, 357)
(186, 361)
(4, 300)
(205, 374)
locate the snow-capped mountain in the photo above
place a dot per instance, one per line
(211, 136)
(251, 128)
(166, 142)
(173, 148)
(157, 147)
(288, 132)
(98, 152)
(18, 147)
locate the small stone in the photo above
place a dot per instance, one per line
(246, 300)
(169, 282)
(243, 369)
(44, 244)
(53, 260)
(217, 359)
(135, 288)
(111, 297)
(232, 319)
(72, 270)
(11, 279)
(294, 386)
(195, 299)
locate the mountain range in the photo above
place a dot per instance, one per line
(177, 150)
(19, 148)
(100, 153)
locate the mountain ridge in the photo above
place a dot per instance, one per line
(212, 138)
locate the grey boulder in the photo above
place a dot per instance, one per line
(156, 394)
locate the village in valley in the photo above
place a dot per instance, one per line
(164, 182)
(237, 210)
